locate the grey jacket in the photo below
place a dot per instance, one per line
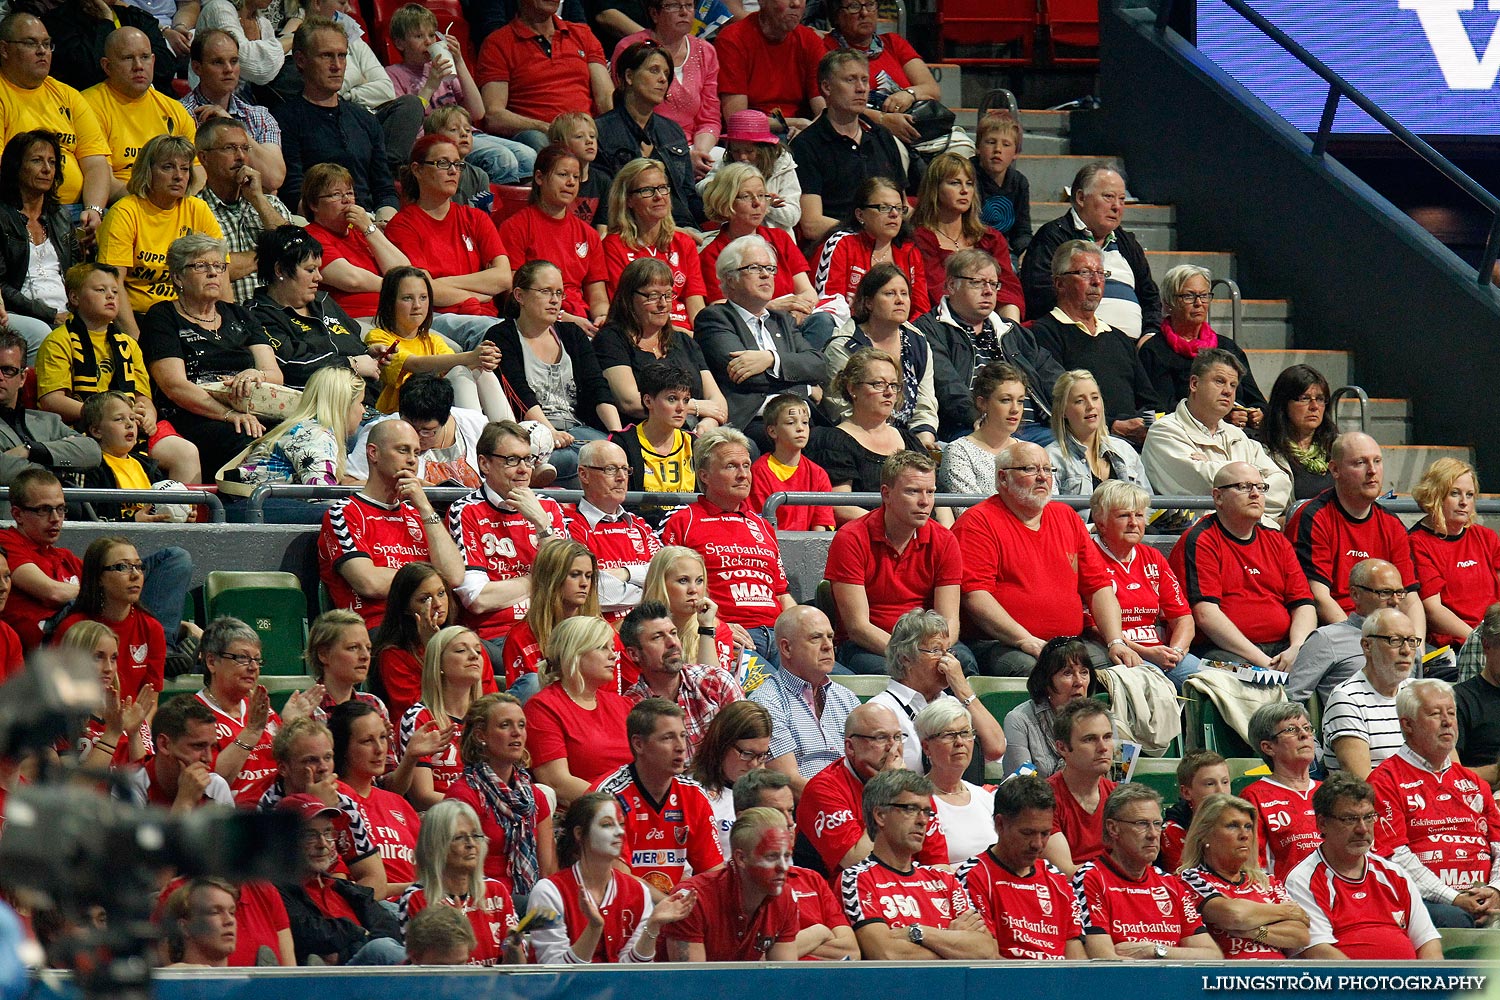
(58, 446)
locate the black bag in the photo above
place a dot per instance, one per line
(934, 120)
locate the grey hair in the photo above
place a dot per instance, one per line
(1489, 627)
(209, 131)
(711, 441)
(1268, 718)
(221, 633)
(186, 249)
(432, 847)
(589, 453)
(1174, 279)
(1409, 698)
(939, 715)
(1376, 621)
(1062, 259)
(1117, 494)
(1125, 796)
(734, 255)
(1362, 571)
(1006, 455)
(886, 787)
(907, 634)
(1088, 176)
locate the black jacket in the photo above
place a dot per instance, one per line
(304, 344)
(1036, 270)
(620, 142)
(588, 377)
(102, 477)
(78, 44)
(316, 934)
(720, 332)
(15, 259)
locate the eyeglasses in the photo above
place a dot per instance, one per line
(466, 838)
(934, 650)
(752, 756)
(855, 8)
(1255, 489)
(10, 371)
(676, 8)
(1031, 470)
(244, 150)
(1310, 400)
(1358, 819)
(890, 210)
(881, 739)
(319, 836)
(1195, 297)
(612, 471)
(656, 298)
(443, 165)
(954, 736)
(912, 809)
(1400, 641)
(45, 510)
(35, 44)
(979, 284)
(207, 267)
(1143, 825)
(125, 567)
(1384, 595)
(243, 659)
(764, 270)
(336, 196)
(552, 294)
(1295, 731)
(881, 386)
(1089, 274)
(511, 461)
(652, 191)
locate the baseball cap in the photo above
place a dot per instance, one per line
(306, 806)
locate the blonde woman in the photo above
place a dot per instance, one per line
(308, 448)
(576, 722)
(452, 679)
(1457, 559)
(640, 225)
(947, 220)
(564, 583)
(677, 578)
(104, 741)
(1084, 453)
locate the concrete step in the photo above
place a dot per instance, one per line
(1389, 420)
(1405, 464)
(1267, 365)
(1219, 262)
(1154, 225)
(1041, 143)
(1265, 324)
(1046, 122)
(1049, 175)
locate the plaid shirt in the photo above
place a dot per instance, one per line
(242, 227)
(702, 692)
(263, 128)
(817, 741)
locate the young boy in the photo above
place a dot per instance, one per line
(453, 122)
(1201, 774)
(788, 423)
(90, 354)
(659, 449)
(110, 419)
(1004, 192)
(448, 82)
(577, 131)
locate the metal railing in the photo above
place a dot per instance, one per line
(1353, 392)
(256, 505)
(198, 498)
(1236, 307)
(1340, 90)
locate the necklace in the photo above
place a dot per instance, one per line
(209, 320)
(951, 239)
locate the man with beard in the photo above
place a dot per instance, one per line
(700, 690)
(1028, 567)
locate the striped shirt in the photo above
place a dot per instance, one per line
(263, 127)
(1357, 709)
(817, 742)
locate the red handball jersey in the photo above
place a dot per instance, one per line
(1148, 593)
(625, 908)
(259, 769)
(745, 574)
(874, 892)
(1157, 908)
(446, 765)
(1205, 883)
(389, 536)
(1031, 916)
(143, 648)
(1464, 570)
(713, 921)
(1448, 818)
(815, 902)
(393, 824)
(617, 543)
(1256, 582)
(830, 817)
(1084, 831)
(663, 838)
(500, 542)
(1377, 916)
(492, 917)
(1285, 824)
(1329, 541)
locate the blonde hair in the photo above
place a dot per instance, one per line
(724, 186)
(432, 671)
(157, 151)
(84, 636)
(554, 560)
(325, 401)
(622, 220)
(1436, 482)
(409, 17)
(442, 117)
(1205, 817)
(858, 366)
(324, 633)
(655, 587)
(566, 645)
(943, 168)
(1060, 391)
(470, 749)
(557, 132)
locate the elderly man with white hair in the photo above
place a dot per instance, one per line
(1437, 818)
(1360, 727)
(754, 352)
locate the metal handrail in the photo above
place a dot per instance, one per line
(1358, 393)
(1340, 89)
(255, 507)
(1236, 307)
(197, 498)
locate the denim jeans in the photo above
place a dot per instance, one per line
(505, 160)
(169, 573)
(465, 332)
(566, 459)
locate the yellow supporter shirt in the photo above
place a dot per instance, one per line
(135, 236)
(393, 375)
(128, 125)
(129, 475)
(671, 472)
(58, 368)
(59, 108)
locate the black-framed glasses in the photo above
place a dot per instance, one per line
(655, 298)
(125, 567)
(1195, 298)
(244, 659)
(1307, 399)
(45, 509)
(855, 7)
(1256, 489)
(1352, 821)
(443, 165)
(1089, 274)
(752, 756)
(1384, 595)
(652, 190)
(881, 386)
(511, 461)
(913, 809)
(1399, 641)
(1031, 470)
(612, 471)
(954, 737)
(765, 270)
(935, 650)
(10, 371)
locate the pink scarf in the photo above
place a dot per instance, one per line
(1189, 348)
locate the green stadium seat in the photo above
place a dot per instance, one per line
(1246, 771)
(1207, 730)
(866, 686)
(1159, 773)
(271, 603)
(1468, 943)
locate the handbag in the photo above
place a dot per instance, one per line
(933, 120)
(266, 399)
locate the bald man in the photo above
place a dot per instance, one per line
(1249, 598)
(132, 111)
(808, 711)
(1332, 653)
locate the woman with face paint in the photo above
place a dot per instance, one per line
(608, 915)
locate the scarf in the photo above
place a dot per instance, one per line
(1312, 458)
(1207, 339)
(514, 809)
(86, 365)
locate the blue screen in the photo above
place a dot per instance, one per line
(1434, 73)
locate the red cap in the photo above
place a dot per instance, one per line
(306, 806)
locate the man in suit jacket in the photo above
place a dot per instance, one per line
(754, 352)
(31, 438)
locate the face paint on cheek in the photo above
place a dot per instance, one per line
(604, 835)
(767, 865)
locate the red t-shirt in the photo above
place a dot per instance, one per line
(845, 258)
(143, 649)
(894, 582)
(745, 574)
(681, 257)
(545, 80)
(446, 765)
(1285, 824)
(1257, 582)
(492, 918)
(12, 656)
(1148, 592)
(259, 769)
(23, 612)
(353, 247)
(502, 543)
(523, 654)
(496, 862)
(663, 838)
(1449, 820)
(1464, 570)
(789, 262)
(830, 817)
(815, 902)
(1329, 542)
(463, 242)
(401, 676)
(781, 77)
(393, 825)
(1031, 916)
(895, 53)
(713, 921)
(390, 537)
(809, 477)
(1372, 917)
(569, 242)
(259, 916)
(592, 742)
(1041, 578)
(1084, 831)
(616, 543)
(1204, 883)
(874, 892)
(1156, 908)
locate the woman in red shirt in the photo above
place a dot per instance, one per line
(109, 591)
(564, 584)
(640, 225)
(877, 234)
(417, 606)
(361, 754)
(452, 679)
(947, 219)
(1457, 560)
(356, 251)
(736, 196)
(676, 578)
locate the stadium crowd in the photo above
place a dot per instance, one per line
(241, 235)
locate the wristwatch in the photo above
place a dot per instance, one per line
(372, 227)
(1161, 950)
(914, 933)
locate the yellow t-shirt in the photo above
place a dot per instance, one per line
(393, 375)
(129, 475)
(128, 125)
(135, 236)
(59, 108)
(671, 472)
(55, 365)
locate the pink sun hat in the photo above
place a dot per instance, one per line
(749, 126)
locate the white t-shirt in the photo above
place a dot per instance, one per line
(970, 829)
